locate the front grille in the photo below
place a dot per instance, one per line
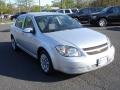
(96, 49)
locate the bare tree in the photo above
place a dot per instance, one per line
(26, 4)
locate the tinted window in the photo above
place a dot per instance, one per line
(67, 11)
(105, 9)
(52, 23)
(113, 10)
(74, 10)
(19, 22)
(60, 11)
(119, 9)
(28, 23)
(84, 11)
(92, 10)
(99, 9)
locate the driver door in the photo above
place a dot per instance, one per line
(113, 15)
(29, 39)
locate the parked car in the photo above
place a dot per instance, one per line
(106, 16)
(16, 15)
(69, 12)
(65, 11)
(84, 14)
(61, 43)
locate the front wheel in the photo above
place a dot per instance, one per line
(45, 62)
(102, 22)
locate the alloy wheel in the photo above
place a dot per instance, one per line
(102, 22)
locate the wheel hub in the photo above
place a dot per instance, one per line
(44, 63)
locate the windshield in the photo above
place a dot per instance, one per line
(52, 23)
(99, 9)
(105, 9)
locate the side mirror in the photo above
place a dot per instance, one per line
(28, 30)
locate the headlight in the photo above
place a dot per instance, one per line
(68, 51)
(109, 42)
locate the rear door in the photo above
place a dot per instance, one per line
(18, 29)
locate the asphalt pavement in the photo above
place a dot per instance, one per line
(19, 71)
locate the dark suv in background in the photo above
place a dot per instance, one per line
(84, 14)
(106, 16)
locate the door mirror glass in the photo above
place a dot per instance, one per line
(28, 30)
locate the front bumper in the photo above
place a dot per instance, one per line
(77, 65)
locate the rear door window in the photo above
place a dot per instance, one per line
(84, 11)
(67, 11)
(60, 11)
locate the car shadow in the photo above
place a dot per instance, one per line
(22, 66)
(6, 30)
(113, 28)
(110, 25)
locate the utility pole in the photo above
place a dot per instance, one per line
(39, 5)
(61, 3)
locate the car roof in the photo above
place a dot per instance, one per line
(65, 9)
(43, 13)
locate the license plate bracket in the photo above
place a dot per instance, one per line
(102, 61)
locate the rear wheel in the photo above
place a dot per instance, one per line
(14, 46)
(102, 22)
(45, 62)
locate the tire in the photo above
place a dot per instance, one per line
(14, 45)
(102, 22)
(45, 62)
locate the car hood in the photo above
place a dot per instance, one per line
(81, 37)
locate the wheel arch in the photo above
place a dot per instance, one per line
(43, 48)
(11, 36)
(102, 18)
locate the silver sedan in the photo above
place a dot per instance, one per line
(61, 43)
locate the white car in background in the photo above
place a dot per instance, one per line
(61, 43)
(65, 11)
(68, 11)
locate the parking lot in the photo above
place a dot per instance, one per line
(19, 71)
